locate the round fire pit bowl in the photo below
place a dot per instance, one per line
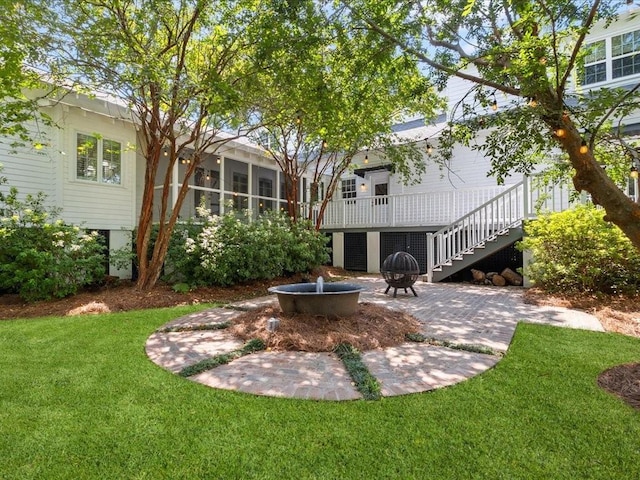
(335, 299)
(400, 270)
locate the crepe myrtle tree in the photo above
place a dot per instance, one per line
(182, 67)
(526, 58)
(338, 92)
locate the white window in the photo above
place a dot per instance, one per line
(349, 188)
(625, 54)
(595, 63)
(98, 159)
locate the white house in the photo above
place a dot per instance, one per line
(90, 166)
(455, 217)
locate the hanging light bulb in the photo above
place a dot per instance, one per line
(494, 105)
(366, 159)
(324, 144)
(533, 102)
(429, 149)
(560, 132)
(584, 148)
(633, 173)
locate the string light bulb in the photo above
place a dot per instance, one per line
(533, 102)
(561, 132)
(494, 105)
(584, 148)
(633, 173)
(366, 159)
(429, 149)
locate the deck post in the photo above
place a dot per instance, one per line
(525, 197)
(430, 258)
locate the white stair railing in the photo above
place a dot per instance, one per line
(477, 227)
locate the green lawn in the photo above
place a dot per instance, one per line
(79, 399)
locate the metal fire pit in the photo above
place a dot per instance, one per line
(400, 270)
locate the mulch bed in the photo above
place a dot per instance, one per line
(623, 381)
(371, 327)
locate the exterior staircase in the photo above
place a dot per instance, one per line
(491, 227)
(478, 234)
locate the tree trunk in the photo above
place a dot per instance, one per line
(620, 210)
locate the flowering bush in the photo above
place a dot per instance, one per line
(40, 256)
(231, 249)
(577, 251)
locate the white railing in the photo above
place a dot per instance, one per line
(495, 217)
(476, 227)
(405, 210)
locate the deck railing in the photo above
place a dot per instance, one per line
(405, 210)
(431, 209)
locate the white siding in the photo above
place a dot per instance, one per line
(33, 170)
(97, 205)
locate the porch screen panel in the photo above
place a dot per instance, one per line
(355, 251)
(414, 243)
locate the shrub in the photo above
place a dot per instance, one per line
(577, 251)
(41, 257)
(230, 249)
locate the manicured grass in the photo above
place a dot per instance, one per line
(79, 399)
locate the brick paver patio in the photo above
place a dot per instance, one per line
(462, 314)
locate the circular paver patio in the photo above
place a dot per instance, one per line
(469, 315)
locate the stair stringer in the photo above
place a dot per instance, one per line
(467, 259)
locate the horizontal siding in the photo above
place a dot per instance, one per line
(32, 170)
(90, 203)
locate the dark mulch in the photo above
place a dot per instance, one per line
(623, 381)
(371, 327)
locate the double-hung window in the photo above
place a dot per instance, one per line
(625, 54)
(349, 188)
(595, 63)
(98, 159)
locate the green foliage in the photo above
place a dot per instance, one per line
(253, 345)
(232, 249)
(41, 257)
(181, 288)
(365, 383)
(577, 251)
